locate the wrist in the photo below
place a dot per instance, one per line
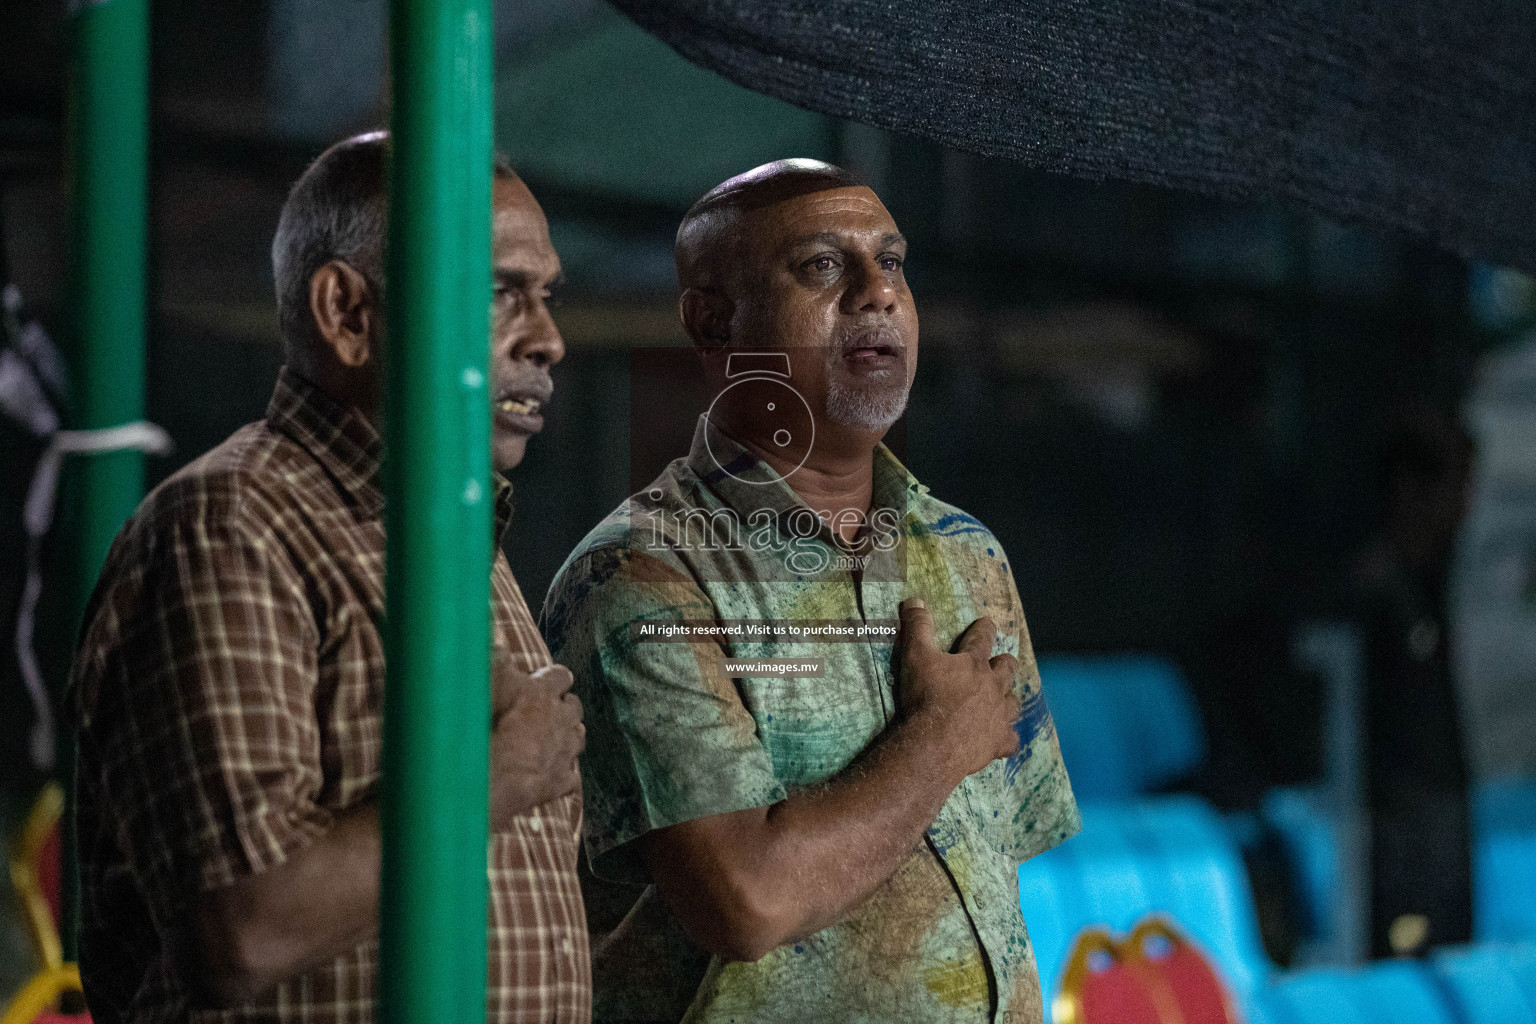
(934, 729)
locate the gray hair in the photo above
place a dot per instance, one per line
(337, 210)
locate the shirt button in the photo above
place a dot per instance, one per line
(567, 947)
(534, 824)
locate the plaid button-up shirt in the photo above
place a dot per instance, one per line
(229, 691)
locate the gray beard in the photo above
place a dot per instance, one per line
(874, 406)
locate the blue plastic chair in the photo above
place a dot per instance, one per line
(1491, 984)
(1169, 855)
(1127, 723)
(1504, 861)
(1387, 992)
(1309, 836)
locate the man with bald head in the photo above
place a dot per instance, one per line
(230, 681)
(818, 750)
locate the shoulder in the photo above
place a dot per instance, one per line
(953, 526)
(194, 538)
(638, 537)
(628, 567)
(950, 547)
(250, 498)
(239, 486)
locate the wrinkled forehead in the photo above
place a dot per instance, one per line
(853, 213)
(519, 231)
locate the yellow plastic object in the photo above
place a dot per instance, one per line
(26, 880)
(41, 992)
(1067, 1007)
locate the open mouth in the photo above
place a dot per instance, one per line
(879, 348)
(870, 351)
(520, 406)
(520, 409)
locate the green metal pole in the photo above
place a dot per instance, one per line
(438, 515)
(108, 187)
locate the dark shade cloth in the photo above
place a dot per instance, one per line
(1400, 113)
(1416, 768)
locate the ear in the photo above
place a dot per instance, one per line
(345, 311)
(706, 317)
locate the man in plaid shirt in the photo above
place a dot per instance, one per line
(230, 679)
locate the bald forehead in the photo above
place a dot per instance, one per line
(511, 198)
(850, 206)
(729, 238)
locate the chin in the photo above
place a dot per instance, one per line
(507, 453)
(870, 408)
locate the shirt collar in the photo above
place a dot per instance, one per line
(349, 447)
(341, 439)
(505, 503)
(746, 483)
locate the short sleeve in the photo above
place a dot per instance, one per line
(668, 739)
(1039, 811)
(200, 747)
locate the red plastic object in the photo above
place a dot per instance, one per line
(1173, 965)
(1119, 993)
(50, 873)
(1154, 976)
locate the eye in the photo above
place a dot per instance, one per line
(509, 296)
(891, 261)
(822, 264)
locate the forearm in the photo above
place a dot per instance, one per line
(320, 903)
(747, 882)
(829, 847)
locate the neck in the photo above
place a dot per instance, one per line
(838, 478)
(358, 389)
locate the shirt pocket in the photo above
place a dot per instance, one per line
(812, 728)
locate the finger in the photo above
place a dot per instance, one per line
(581, 738)
(978, 638)
(1005, 667)
(1009, 743)
(916, 624)
(556, 679)
(1012, 740)
(563, 782)
(505, 678)
(568, 713)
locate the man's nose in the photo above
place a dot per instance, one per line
(872, 290)
(541, 343)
